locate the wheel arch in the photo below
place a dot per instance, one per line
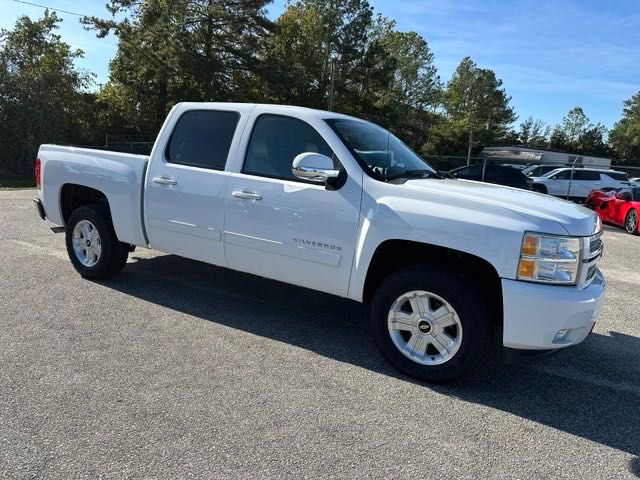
(74, 195)
(393, 255)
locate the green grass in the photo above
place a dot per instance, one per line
(17, 182)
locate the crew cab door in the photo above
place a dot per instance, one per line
(281, 227)
(583, 182)
(558, 184)
(186, 185)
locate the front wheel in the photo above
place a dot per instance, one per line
(631, 222)
(92, 245)
(431, 323)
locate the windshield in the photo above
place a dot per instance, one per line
(551, 173)
(378, 151)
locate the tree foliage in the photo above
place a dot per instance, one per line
(323, 54)
(533, 133)
(177, 50)
(576, 134)
(41, 99)
(625, 135)
(477, 107)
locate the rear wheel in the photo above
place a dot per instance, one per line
(431, 323)
(539, 188)
(631, 222)
(92, 245)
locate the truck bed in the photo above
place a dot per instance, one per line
(120, 176)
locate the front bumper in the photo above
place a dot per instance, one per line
(40, 208)
(548, 317)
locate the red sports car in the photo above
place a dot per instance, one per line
(619, 207)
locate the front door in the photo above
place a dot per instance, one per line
(186, 186)
(559, 184)
(280, 227)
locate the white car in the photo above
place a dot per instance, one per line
(534, 171)
(575, 184)
(452, 268)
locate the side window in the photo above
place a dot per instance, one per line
(472, 171)
(586, 175)
(619, 176)
(275, 141)
(564, 175)
(202, 138)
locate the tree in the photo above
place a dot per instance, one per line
(573, 124)
(625, 135)
(172, 50)
(477, 104)
(42, 98)
(320, 54)
(336, 55)
(533, 133)
(414, 91)
(576, 134)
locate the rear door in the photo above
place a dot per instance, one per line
(186, 185)
(583, 182)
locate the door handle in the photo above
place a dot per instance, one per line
(164, 181)
(246, 195)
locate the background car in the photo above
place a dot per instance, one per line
(577, 185)
(619, 207)
(599, 195)
(538, 170)
(498, 174)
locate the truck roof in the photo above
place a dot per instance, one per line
(302, 111)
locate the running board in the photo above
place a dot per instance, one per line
(57, 229)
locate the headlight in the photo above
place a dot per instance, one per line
(549, 259)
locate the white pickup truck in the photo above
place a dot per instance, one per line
(452, 268)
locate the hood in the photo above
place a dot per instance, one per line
(535, 207)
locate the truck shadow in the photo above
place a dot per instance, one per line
(591, 390)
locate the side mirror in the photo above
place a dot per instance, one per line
(314, 167)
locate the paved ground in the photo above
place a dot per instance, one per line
(176, 369)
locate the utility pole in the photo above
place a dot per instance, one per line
(469, 149)
(332, 74)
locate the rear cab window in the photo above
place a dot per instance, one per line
(202, 138)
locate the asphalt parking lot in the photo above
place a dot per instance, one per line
(177, 369)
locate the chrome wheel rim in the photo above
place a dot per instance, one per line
(87, 244)
(632, 221)
(424, 327)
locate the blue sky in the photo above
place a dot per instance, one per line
(551, 55)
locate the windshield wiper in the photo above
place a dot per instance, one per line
(413, 174)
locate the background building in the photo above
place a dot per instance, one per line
(542, 157)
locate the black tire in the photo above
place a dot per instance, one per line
(462, 294)
(113, 254)
(631, 229)
(539, 188)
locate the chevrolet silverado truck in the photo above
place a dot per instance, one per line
(452, 269)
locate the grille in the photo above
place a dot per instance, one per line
(595, 244)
